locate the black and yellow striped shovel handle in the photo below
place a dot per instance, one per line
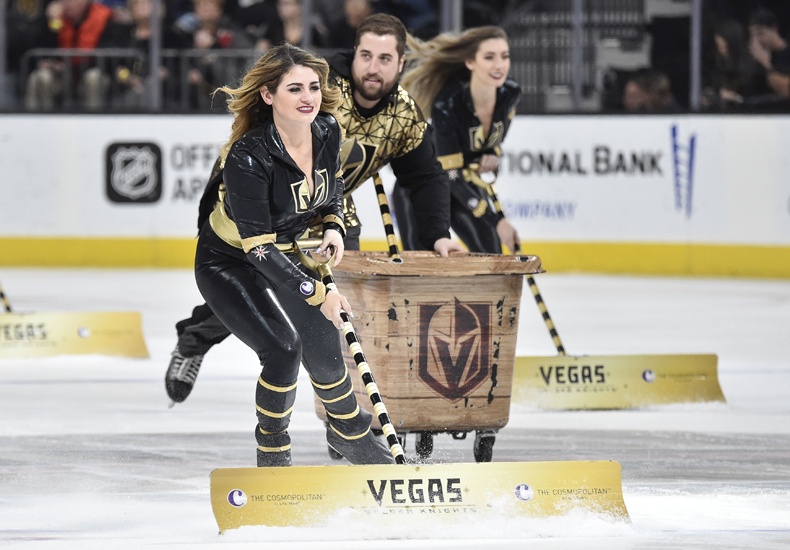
(324, 271)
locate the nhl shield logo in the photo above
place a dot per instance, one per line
(134, 172)
(454, 350)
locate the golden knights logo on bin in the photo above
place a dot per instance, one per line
(454, 351)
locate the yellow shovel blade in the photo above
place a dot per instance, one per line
(615, 381)
(309, 496)
(48, 334)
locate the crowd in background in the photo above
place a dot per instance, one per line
(748, 65)
(199, 25)
(745, 63)
(746, 60)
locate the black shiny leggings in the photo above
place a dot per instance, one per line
(279, 326)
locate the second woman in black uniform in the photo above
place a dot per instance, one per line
(462, 81)
(282, 169)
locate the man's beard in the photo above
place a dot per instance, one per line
(383, 90)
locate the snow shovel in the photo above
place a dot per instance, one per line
(611, 381)
(53, 333)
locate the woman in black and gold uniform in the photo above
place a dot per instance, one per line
(281, 168)
(462, 80)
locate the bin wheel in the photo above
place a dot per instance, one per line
(424, 444)
(484, 446)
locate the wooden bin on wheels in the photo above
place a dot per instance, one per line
(440, 337)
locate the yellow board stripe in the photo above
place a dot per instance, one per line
(557, 257)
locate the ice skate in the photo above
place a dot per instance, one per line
(364, 449)
(181, 375)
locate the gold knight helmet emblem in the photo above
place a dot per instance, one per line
(454, 352)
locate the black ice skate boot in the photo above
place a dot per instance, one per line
(274, 405)
(273, 449)
(348, 431)
(181, 375)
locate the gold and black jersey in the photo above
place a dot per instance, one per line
(461, 139)
(267, 198)
(371, 143)
(393, 133)
(266, 202)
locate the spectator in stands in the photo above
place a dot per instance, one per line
(770, 50)
(342, 31)
(25, 20)
(255, 16)
(132, 75)
(212, 31)
(659, 92)
(419, 16)
(724, 85)
(120, 10)
(649, 91)
(72, 24)
(290, 27)
(635, 94)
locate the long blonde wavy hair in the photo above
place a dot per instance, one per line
(432, 63)
(245, 102)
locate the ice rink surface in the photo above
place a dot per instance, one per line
(91, 456)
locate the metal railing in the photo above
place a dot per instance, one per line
(556, 49)
(122, 79)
